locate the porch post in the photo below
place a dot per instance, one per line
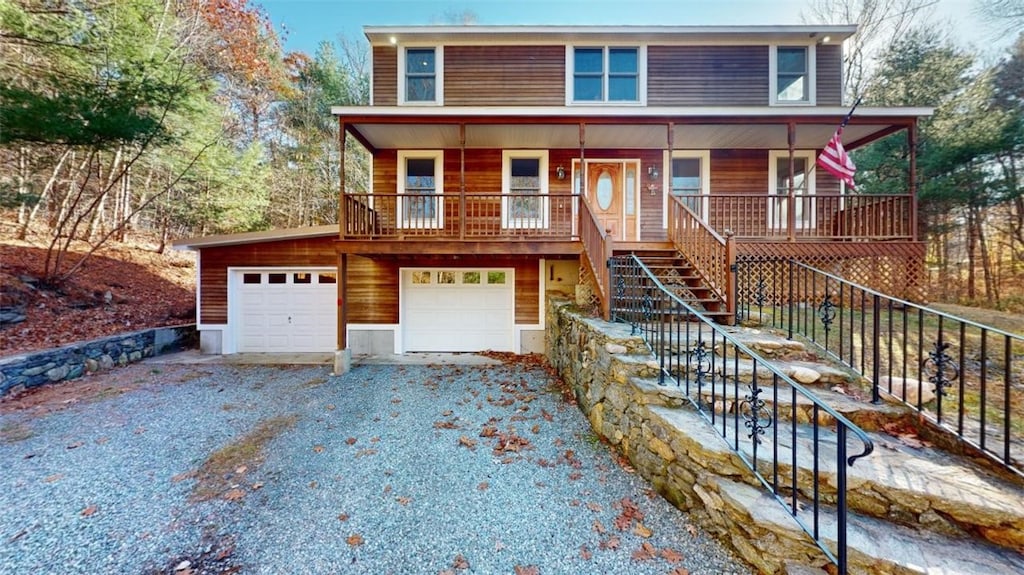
(343, 355)
(912, 184)
(462, 181)
(667, 170)
(342, 207)
(791, 200)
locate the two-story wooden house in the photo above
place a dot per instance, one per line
(511, 161)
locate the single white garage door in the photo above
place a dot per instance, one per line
(458, 309)
(287, 311)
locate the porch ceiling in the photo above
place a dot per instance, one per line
(642, 131)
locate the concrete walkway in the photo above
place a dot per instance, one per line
(327, 358)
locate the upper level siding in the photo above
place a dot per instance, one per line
(707, 75)
(504, 75)
(677, 75)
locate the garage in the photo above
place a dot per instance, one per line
(448, 310)
(286, 310)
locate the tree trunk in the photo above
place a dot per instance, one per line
(23, 229)
(991, 293)
(972, 246)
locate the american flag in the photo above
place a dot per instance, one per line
(836, 161)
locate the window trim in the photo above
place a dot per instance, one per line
(773, 75)
(507, 222)
(802, 223)
(438, 156)
(570, 75)
(438, 75)
(705, 179)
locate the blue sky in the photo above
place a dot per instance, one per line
(308, 22)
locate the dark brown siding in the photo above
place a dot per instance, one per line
(214, 263)
(829, 75)
(504, 75)
(385, 76)
(707, 75)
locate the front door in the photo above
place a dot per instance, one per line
(611, 195)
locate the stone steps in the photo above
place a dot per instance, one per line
(901, 484)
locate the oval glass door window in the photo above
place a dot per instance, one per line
(604, 191)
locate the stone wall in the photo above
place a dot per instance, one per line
(25, 371)
(614, 379)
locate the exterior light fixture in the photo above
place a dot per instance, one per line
(652, 172)
(393, 40)
(560, 172)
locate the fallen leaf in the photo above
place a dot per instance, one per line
(54, 477)
(642, 531)
(330, 407)
(612, 542)
(460, 562)
(445, 425)
(76, 445)
(585, 553)
(102, 440)
(447, 572)
(139, 430)
(528, 570)
(387, 489)
(671, 555)
(351, 440)
(234, 494)
(355, 539)
(535, 429)
(498, 545)
(404, 500)
(680, 571)
(483, 486)
(89, 511)
(447, 413)
(241, 470)
(575, 476)
(343, 517)
(467, 442)
(313, 484)
(691, 529)
(645, 552)
(489, 431)
(374, 439)
(318, 449)
(366, 452)
(257, 485)
(595, 507)
(599, 527)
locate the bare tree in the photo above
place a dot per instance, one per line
(879, 23)
(1005, 16)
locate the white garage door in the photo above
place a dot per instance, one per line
(458, 309)
(290, 310)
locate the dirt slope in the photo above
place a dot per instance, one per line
(121, 288)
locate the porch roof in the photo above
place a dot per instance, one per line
(396, 127)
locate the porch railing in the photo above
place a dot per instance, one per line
(821, 217)
(749, 402)
(711, 255)
(470, 216)
(597, 249)
(965, 377)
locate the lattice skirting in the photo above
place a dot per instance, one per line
(587, 295)
(893, 268)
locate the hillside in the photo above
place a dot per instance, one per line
(121, 288)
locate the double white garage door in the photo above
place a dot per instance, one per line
(442, 310)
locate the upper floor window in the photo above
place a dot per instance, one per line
(606, 74)
(421, 189)
(420, 71)
(792, 74)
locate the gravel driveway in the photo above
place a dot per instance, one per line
(430, 469)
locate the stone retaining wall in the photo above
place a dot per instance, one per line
(615, 382)
(25, 371)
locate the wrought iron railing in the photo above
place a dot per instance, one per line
(752, 404)
(470, 216)
(964, 377)
(818, 217)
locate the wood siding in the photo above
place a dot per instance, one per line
(214, 263)
(707, 75)
(504, 75)
(829, 75)
(385, 76)
(373, 283)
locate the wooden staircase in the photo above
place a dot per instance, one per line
(683, 280)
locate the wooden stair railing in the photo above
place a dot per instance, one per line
(712, 256)
(597, 251)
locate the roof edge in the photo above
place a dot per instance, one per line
(383, 33)
(255, 237)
